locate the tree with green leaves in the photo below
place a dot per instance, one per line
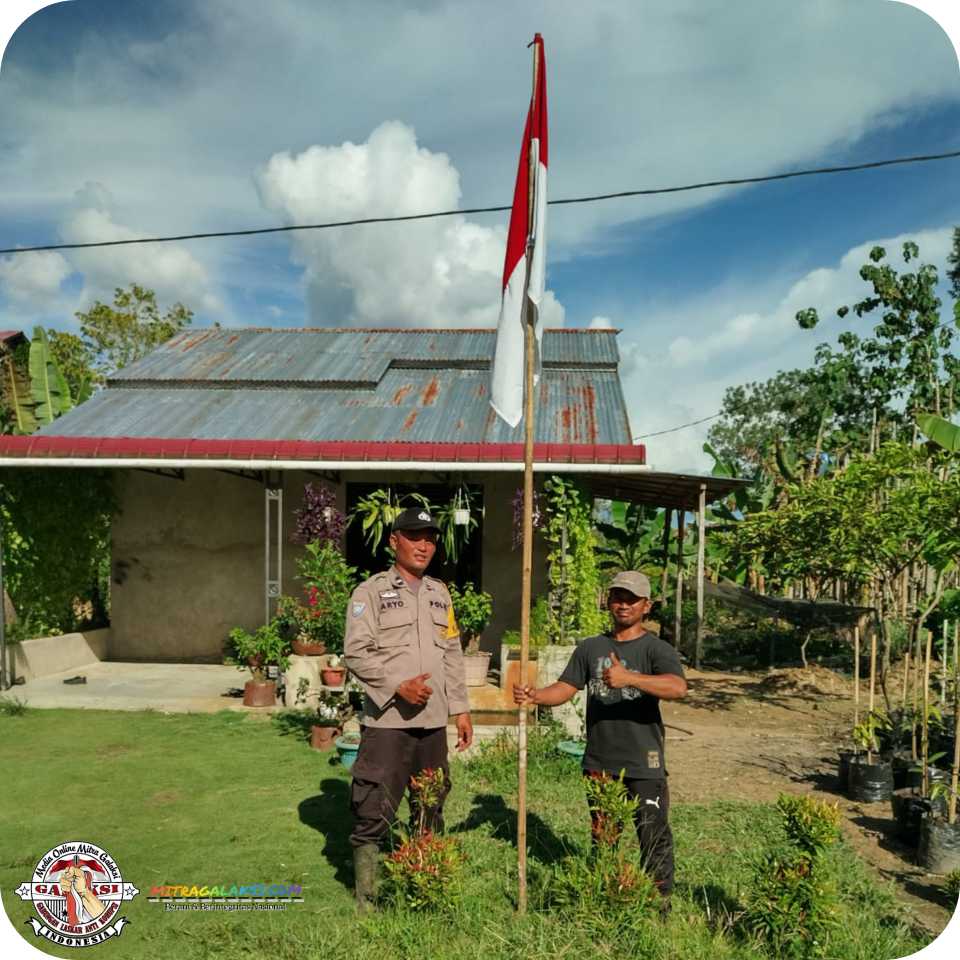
(118, 334)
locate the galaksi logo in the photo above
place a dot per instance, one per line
(77, 891)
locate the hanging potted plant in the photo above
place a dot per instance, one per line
(377, 511)
(472, 610)
(265, 647)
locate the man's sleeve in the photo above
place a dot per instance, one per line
(454, 677)
(360, 649)
(665, 659)
(577, 670)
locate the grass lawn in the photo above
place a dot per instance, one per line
(227, 799)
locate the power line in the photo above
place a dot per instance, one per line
(817, 171)
(683, 426)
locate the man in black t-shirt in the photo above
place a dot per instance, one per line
(627, 672)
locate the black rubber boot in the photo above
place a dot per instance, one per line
(366, 870)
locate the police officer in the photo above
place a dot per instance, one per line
(403, 645)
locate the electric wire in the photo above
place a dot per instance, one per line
(405, 218)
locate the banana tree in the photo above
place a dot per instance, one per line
(48, 386)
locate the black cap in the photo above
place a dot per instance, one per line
(415, 518)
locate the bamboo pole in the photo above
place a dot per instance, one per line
(906, 682)
(701, 564)
(530, 340)
(678, 597)
(952, 804)
(873, 682)
(917, 661)
(944, 651)
(925, 728)
(665, 577)
(856, 674)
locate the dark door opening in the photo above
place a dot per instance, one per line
(467, 569)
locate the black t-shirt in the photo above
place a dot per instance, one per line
(624, 727)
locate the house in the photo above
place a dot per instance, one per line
(215, 433)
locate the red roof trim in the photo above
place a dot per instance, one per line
(176, 448)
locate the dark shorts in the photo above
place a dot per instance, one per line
(387, 759)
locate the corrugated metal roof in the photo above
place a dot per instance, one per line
(437, 405)
(356, 355)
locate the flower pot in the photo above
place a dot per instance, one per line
(939, 847)
(259, 693)
(843, 769)
(870, 782)
(348, 746)
(333, 676)
(303, 649)
(574, 749)
(323, 738)
(914, 777)
(475, 666)
(461, 517)
(909, 810)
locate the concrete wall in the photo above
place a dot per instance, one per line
(43, 656)
(188, 558)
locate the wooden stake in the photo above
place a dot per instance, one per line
(952, 805)
(701, 563)
(925, 729)
(856, 674)
(678, 597)
(873, 678)
(945, 649)
(906, 682)
(530, 341)
(665, 577)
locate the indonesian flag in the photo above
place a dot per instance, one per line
(506, 391)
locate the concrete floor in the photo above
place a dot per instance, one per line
(167, 687)
(171, 687)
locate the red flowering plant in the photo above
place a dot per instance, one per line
(423, 870)
(328, 583)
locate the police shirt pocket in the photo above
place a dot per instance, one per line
(441, 626)
(395, 623)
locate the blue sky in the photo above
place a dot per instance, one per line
(124, 118)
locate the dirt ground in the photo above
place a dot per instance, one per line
(751, 736)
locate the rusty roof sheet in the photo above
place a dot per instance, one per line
(429, 404)
(344, 356)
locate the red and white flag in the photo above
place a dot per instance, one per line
(506, 390)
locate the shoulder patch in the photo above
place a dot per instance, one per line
(358, 609)
(452, 629)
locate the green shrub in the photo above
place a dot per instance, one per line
(472, 609)
(952, 883)
(793, 904)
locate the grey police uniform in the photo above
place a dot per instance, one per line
(395, 633)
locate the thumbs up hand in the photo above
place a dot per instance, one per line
(616, 675)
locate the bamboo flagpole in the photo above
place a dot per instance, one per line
(513, 384)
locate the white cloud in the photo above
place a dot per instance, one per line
(436, 273)
(33, 277)
(601, 323)
(728, 344)
(170, 270)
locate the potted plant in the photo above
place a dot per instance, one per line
(265, 647)
(329, 581)
(472, 610)
(871, 778)
(334, 673)
(332, 711)
(294, 619)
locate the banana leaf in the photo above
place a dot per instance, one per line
(16, 392)
(942, 432)
(48, 386)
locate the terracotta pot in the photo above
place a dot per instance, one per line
(302, 649)
(333, 676)
(322, 738)
(258, 693)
